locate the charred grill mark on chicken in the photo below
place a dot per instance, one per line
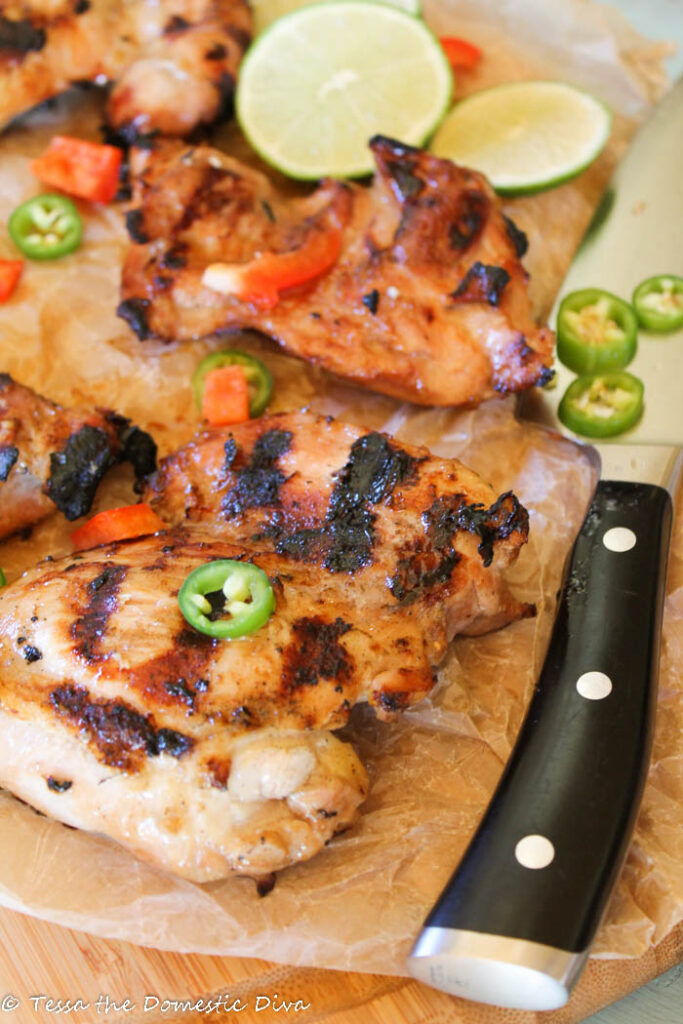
(55, 457)
(177, 676)
(421, 572)
(344, 541)
(19, 37)
(135, 226)
(175, 25)
(122, 737)
(31, 653)
(498, 522)
(207, 198)
(516, 236)
(77, 469)
(315, 653)
(9, 453)
(134, 312)
(137, 446)
(435, 558)
(219, 771)
(58, 785)
(394, 701)
(470, 217)
(259, 481)
(482, 283)
(180, 691)
(102, 600)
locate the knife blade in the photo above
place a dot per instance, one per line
(515, 923)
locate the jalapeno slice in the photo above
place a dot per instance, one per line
(658, 303)
(46, 227)
(259, 380)
(3, 579)
(227, 599)
(596, 331)
(602, 404)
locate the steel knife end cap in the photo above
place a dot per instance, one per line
(494, 969)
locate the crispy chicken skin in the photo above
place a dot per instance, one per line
(202, 756)
(417, 539)
(173, 63)
(54, 458)
(426, 302)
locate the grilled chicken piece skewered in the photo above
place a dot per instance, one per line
(54, 458)
(173, 63)
(426, 301)
(217, 755)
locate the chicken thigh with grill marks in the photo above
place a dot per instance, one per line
(117, 717)
(426, 300)
(173, 63)
(54, 458)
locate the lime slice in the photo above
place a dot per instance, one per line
(525, 136)
(267, 11)
(320, 82)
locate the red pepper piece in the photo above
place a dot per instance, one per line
(84, 169)
(117, 524)
(459, 53)
(261, 280)
(226, 396)
(10, 272)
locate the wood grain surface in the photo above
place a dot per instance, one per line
(39, 959)
(660, 1002)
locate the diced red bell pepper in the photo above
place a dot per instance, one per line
(117, 524)
(10, 272)
(261, 280)
(84, 169)
(460, 54)
(226, 396)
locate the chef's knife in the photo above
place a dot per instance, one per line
(514, 924)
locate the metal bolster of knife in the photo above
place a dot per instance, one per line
(495, 969)
(515, 922)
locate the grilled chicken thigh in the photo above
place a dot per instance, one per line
(200, 755)
(173, 62)
(427, 300)
(54, 458)
(414, 536)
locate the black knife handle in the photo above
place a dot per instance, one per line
(545, 857)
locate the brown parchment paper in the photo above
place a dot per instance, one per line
(358, 905)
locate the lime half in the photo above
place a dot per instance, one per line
(320, 82)
(267, 11)
(525, 136)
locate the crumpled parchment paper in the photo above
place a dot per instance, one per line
(359, 904)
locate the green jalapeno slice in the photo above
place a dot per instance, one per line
(596, 331)
(46, 227)
(259, 380)
(3, 579)
(602, 405)
(227, 599)
(658, 303)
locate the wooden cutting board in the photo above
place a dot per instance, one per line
(40, 959)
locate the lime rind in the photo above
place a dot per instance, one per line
(485, 146)
(276, 137)
(266, 12)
